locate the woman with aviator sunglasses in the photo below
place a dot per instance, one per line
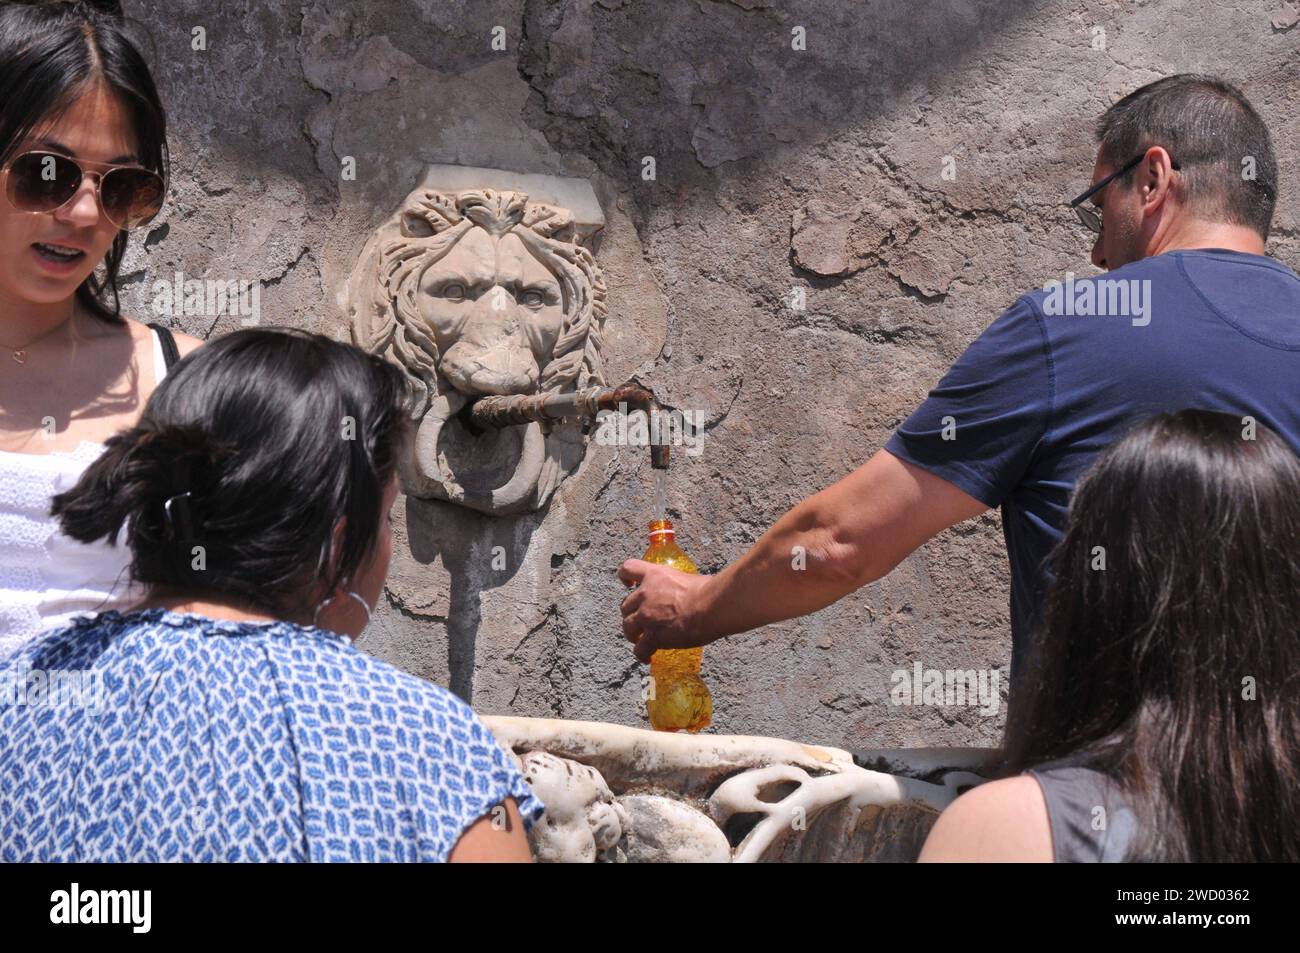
(83, 161)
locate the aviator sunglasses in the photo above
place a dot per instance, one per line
(130, 196)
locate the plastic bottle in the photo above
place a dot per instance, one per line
(678, 698)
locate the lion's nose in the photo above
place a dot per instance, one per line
(493, 356)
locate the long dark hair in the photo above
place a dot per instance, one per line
(50, 53)
(275, 434)
(1175, 670)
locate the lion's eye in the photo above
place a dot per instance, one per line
(534, 299)
(453, 291)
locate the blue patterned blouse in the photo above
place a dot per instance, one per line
(162, 736)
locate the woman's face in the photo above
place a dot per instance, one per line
(369, 583)
(344, 615)
(95, 128)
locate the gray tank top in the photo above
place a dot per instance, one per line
(1090, 820)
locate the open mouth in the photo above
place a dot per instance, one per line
(58, 254)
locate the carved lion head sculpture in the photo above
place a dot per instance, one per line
(474, 293)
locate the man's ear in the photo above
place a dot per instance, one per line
(1156, 171)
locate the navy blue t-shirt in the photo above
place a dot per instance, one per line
(1054, 381)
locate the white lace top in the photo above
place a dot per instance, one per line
(47, 578)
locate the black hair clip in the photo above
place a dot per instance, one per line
(180, 518)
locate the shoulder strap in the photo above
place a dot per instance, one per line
(170, 352)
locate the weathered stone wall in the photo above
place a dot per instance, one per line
(775, 169)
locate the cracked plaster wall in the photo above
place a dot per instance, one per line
(776, 169)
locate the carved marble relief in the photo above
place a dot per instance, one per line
(477, 292)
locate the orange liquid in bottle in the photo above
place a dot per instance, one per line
(679, 700)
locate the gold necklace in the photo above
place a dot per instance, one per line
(20, 353)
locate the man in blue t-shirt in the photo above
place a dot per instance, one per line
(1190, 314)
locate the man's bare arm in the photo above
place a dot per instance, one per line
(849, 534)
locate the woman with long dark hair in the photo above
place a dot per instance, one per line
(1161, 721)
(229, 716)
(83, 162)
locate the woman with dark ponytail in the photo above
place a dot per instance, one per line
(1161, 721)
(252, 499)
(83, 162)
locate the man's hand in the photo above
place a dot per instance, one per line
(666, 610)
(831, 544)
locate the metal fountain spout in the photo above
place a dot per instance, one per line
(504, 411)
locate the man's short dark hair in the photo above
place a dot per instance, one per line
(1228, 170)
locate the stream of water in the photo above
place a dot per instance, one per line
(661, 495)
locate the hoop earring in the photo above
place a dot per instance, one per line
(321, 605)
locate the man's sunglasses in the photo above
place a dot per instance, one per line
(1090, 216)
(46, 181)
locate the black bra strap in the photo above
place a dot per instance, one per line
(170, 353)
